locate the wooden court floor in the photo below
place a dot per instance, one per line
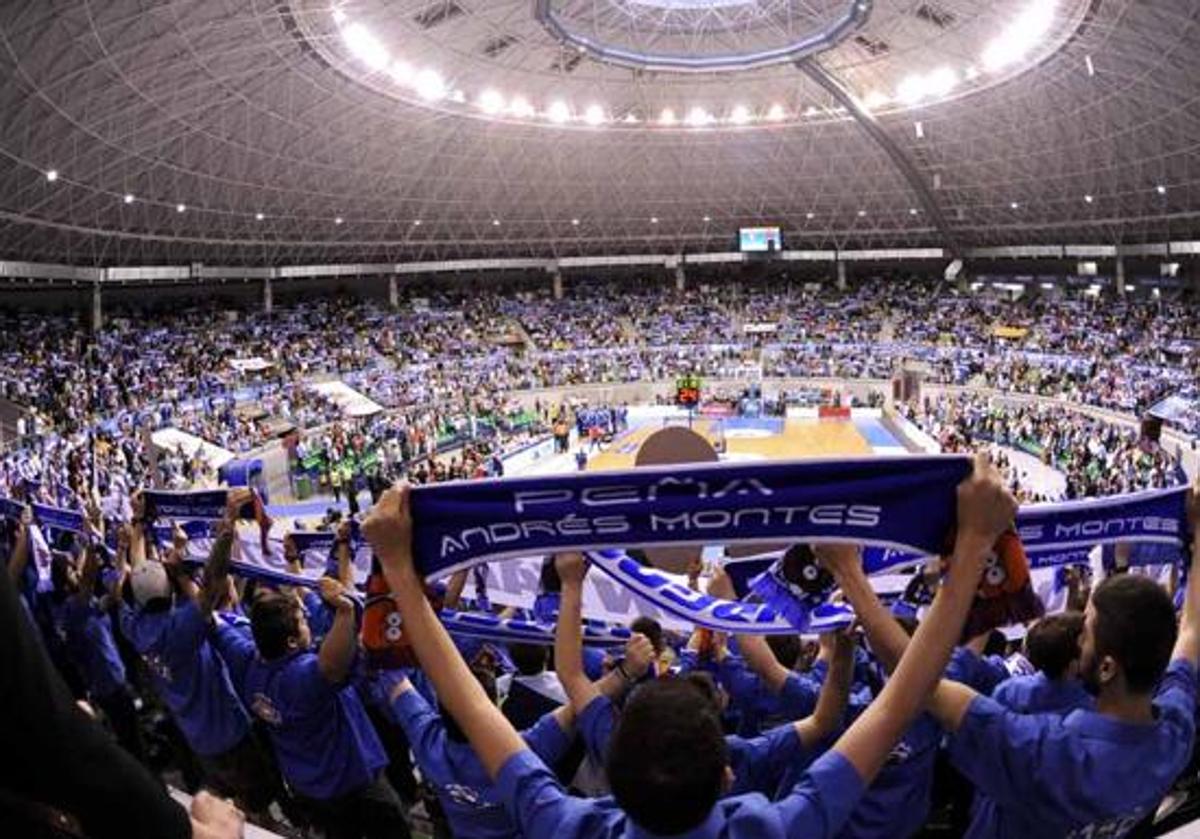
(800, 438)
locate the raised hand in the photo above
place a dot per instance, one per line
(985, 507)
(571, 567)
(388, 529)
(839, 560)
(721, 586)
(639, 654)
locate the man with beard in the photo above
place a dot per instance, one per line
(1092, 772)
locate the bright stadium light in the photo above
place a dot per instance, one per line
(631, 118)
(740, 115)
(707, 219)
(128, 199)
(520, 107)
(1088, 199)
(810, 216)
(698, 117)
(52, 175)
(180, 208)
(913, 211)
(862, 213)
(1160, 189)
(875, 99)
(654, 219)
(558, 112)
(594, 115)
(941, 81)
(912, 89)
(667, 117)
(574, 222)
(402, 73)
(366, 47)
(1014, 206)
(495, 222)
(416, 222)
(430, 85)
(259, 217)
(1021, 36)
(491, 102)
(776, 113)
(338, 220)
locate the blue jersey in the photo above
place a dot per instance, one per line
(471, 803)
(754, 703)
(814, 809)
(322, 737)
(1082, 775)
(90, 643)
(759, 764)
(981, 672)
(188, 675)
(1038, 695)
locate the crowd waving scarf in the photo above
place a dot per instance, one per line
(905, 503)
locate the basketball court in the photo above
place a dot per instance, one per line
(768, 438)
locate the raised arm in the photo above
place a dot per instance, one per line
(21, 549)
(1187, 645)
(454, 589)
(838, 649)
(754, 648)
(985, 510)
(388, 529)
(345, 555)
(337, 652)
(568, 637)
(888, 639)
(173, 562)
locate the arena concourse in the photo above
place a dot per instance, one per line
(482, 419)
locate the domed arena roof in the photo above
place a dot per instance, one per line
(276, 131)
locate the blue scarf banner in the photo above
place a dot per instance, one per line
(903, 502)
(1065, 532)
(11, 509)
(186, 504)
(56, 518)
(1055, 534)
(707, 611)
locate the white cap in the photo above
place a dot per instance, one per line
(149, 581)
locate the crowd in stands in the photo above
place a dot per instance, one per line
(450, 355)
(1097, 458)
(267, 695)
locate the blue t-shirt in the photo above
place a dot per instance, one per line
(188, 675)
(1036, 694)
(753, 702)
(759, 764)
(1085, 774)
(90, 642)
(814, 809)
(983, 673)
(323, 739)
(471, 803)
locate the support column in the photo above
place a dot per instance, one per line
(841, 275)
(393, 292)
(268, 296)
(680, 277)
(1120, 274)
(556, 284)
(97, 311)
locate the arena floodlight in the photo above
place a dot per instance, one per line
(558, 112)
(402, 73)
(594, 115)
(491, 102)
(1088, 199)
(52, 175)
(128, 199)
(338, 220)
(1160, 189)
(667, 117)
(853, 18)
(365, 47)
(740, 115)
(776, 113)
(698, 117)
(1021, 36)
(180, 208)
(875, 99)
(430, 85)
(520, 107)
(654, 219)
(259, 217)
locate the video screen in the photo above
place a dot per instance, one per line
(760, 239)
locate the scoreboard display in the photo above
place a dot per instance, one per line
(687, 391)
